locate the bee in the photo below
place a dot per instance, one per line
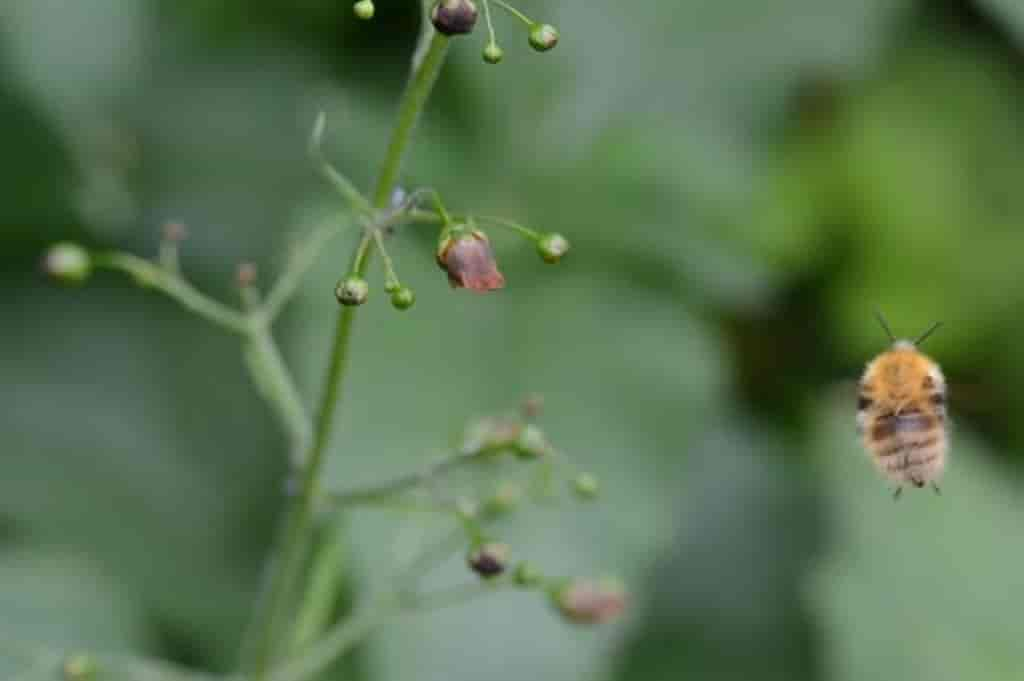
(901, 413)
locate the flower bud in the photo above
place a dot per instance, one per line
(527, 575)
(586, 486)
(403, 298)
(454, 17)
(79, 667)
(543, 37)
(532, 443)
(552, 247)
(505, 499)
(68, 263)
(468, 259)
(352, 291)
(364, 9)
(493, 54)
(590, 601)
(489, 560)
(491, 434)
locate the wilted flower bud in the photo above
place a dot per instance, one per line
(454, 17)
(552, 247)
(591, 601)
(352, 291)
(468, 259)
(493, 54)
(489, 560)
(543, 37)
(586, 486)
(403, 298)
(364, 9)
(68, 263)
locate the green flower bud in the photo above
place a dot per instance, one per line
(543, 37)
(532, 442)
(68, 263)
(590, 601)
(586, 486)
(527, 575)
(364, 9)
(505, 499)
(454, 17)
(489, 560)
(403, 298)
(552, 247)
(352, 290)
(79, 667)
(493, 54)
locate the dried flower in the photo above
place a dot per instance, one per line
(489, 560)
(468, 259)
(591, 601)
(246, 275)
(454, 17)
(175, 231)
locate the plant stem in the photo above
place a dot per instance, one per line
(148, 274)
(369, 495)
(299, 524)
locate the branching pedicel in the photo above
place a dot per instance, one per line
(292, 637)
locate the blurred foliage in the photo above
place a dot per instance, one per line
(744, 183)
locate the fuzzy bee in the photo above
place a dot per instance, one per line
(901, 413)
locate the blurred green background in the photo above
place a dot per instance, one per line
(743, 182)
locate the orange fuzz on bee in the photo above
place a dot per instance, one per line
(901, 413)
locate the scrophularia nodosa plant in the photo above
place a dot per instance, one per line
(287, 640)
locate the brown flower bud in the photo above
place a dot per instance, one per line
(591, 601)
(175, 231)
(489, 560)
(454, 17)
(246, 275)
(468, 259)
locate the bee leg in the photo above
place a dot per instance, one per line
(897, 493)
(938, 492)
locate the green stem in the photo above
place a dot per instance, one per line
(514, 12)
(147, 274)
(277, 387)
(387, 490)
(299, 524)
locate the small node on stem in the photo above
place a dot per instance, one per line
(590, 601)
(403, 298)
(493, 54)
(466, 255)
(489, 560)
(532, 407)
(352, 291)
(586, 486)
(79, 667)
(454, 17)
(68, 263)
(246, 275)
(552, 247)
(527, 575)
(543, 37)
(364, 9)
(175, 231)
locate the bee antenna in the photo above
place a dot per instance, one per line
(885, 325)
(924, 336)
